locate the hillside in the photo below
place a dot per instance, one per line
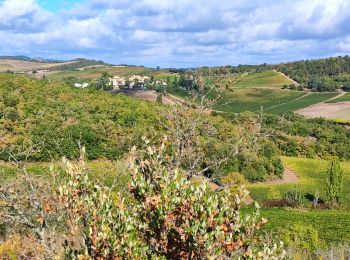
(42, 121)
(321, 75)
(267, 79)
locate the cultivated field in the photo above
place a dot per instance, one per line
(306, 100)
(267, 79)
(27, 66)
(343, 98)
(312, 173)
(340, 111)
(250, 99)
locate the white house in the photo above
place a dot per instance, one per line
(78, 85)
(117, 82)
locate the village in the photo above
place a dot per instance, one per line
(136, 82)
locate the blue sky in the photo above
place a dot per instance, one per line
(179, 33)
(56, 5)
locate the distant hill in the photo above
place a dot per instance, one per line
(81, 63)
(321, 75)
(26, 58)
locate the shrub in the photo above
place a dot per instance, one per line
(293, 197)
(233, 179)
(303, 238)
(335, 183)
(168, 218)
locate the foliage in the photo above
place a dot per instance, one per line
(332, 226)
(312, 176)
(29, 205)
(104, 83)
(304, 238)
(101, 227)
(335, 183)
(319, 75)
(168, 218)
(53, 119)
(293, 197)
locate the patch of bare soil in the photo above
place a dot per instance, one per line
(339, 110)
(25, 66)
(288, 177)
(284, 75)
(150, 95)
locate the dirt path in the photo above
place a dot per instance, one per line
(284, 75)
(288, 177)
(341, 93)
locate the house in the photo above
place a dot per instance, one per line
(78, 85)
(140, 79)
(117, 82)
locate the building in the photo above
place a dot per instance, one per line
(117, 82)
(78, 85)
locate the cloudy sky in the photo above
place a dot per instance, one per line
(176, 33)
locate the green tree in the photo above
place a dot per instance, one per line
(335, 183)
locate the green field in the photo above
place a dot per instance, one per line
(332, 226)
(345, 98)
(312, 174)
(307, 100)
(267, 79)
(249, 99)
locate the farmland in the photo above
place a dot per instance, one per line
(267, 79)
(305, 101)
(344, 98)
(312, 175)
(254, 99)
(333, 226)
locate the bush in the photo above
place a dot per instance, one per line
(168, 218)
(294, 197)
(303, 238)
(335, 183)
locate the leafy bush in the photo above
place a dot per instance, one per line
(303, 238)
(168, 218)
(335, 183)
(294, 197)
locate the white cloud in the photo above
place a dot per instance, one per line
(182, 32)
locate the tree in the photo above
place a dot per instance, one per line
(160, 98)
(335, 183)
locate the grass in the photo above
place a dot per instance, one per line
(344, 98)
(267, 79)
(102, 170)
(332, 226)
(250, 99)
(312, 174)
(307, 100)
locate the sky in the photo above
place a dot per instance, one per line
(176, 33)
